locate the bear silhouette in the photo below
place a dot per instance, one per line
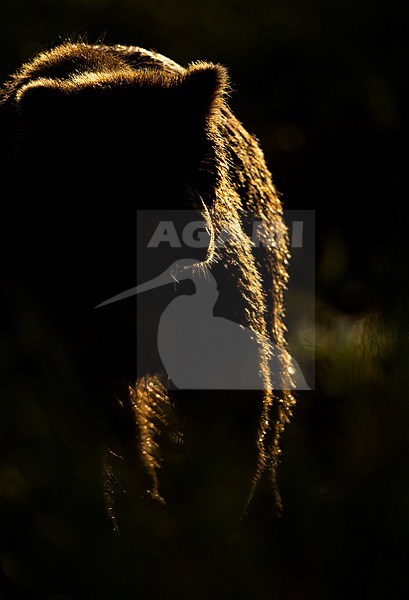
(88, 134)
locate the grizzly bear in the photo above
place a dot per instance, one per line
(90, 133)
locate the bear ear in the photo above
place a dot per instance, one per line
(39, 97)
(204, 88)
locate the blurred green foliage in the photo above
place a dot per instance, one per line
(323, 84)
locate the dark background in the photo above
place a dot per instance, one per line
(323, 85)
